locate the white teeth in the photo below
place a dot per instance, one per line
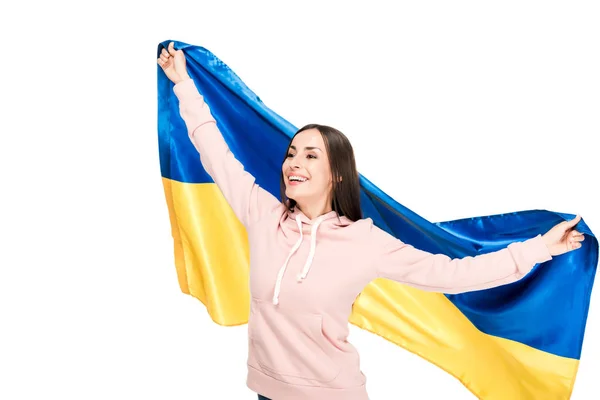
(297, 178)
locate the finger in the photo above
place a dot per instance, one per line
(164, 57)
(576, 234)
(164, 52)
(574, 241)
(164, 64)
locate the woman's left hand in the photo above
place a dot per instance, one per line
(563, 238)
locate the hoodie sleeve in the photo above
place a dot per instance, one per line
(248, 201)
(404, 263)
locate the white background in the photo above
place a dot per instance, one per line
(455, 109)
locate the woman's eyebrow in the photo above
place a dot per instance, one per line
(307, 148)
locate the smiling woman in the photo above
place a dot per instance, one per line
(312, 255)
(319, 174)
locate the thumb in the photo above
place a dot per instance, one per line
(171, 49)
(573, 222)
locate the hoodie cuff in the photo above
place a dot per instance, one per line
(185, 89)
(536, 251)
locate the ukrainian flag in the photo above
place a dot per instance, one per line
(518, 341)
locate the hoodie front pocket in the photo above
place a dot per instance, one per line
(290, 345)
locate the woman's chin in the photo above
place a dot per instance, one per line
(290, 194)
(293, 194)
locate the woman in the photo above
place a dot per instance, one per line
(312, 253)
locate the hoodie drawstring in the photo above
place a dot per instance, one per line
(311, 255)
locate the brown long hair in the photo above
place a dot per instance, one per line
(345, 199)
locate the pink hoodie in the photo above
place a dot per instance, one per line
(305, 274)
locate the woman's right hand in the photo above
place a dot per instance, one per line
(173, 64)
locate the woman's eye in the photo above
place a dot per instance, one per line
(290, 155)
(311, 156)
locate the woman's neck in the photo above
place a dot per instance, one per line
(313, 211)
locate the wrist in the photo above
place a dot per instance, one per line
(545, 240)
(184, 78)
(181, 79)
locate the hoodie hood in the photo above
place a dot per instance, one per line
(299, 223)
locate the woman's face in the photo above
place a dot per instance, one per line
(306, 169)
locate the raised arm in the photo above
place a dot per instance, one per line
(404, 263)
(247, 199)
